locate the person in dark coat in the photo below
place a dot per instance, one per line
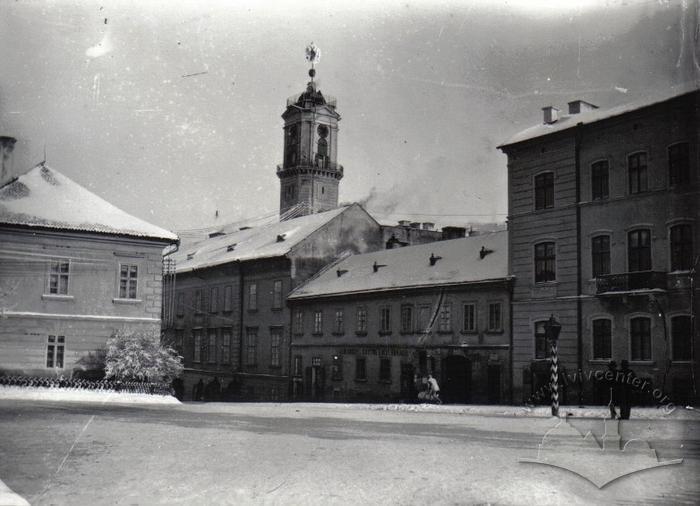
(612, 388)
(626, 390)
(198, 390)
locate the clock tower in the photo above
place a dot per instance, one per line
(309, 174)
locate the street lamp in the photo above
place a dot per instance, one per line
(551, 332)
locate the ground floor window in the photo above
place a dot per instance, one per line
(360, 368)
(55, 351)
(680, 336)
(540, 340)
(337, 368)
(275, 340)
(226, 346)
(602, 339)
(211, 347)
(251, 343)
(385, 369)
(640, 337)
(197, 345)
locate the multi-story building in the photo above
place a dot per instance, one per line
(73, 270)
(367, 326)
(604, 227)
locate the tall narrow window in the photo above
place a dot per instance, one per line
(211, 347)
(385, 319)
(318, 322)
(639, 250)
(637, 171)
(445, 318)
(55, 351)
(180, 341)
(298, 365)
(299, 321)
(545, 259)
(226, 345)
(495, 317)
(361, 320)
(214, 300)
(602, 339)
(252, 297)
(198, 301)
(277, 294)
(678, 164)
(544, 190)
(640, 337)
(424, 313)
(275, 342)
(406, 319)
(360, 369)
(251, 339)
(680, 336)
(599, 180)
(128, 277)
(228, 294)
(540, 340)
(197, 345)
(180, 310)
(337, 368)
(339, 321)
(469, 323)
(681, 247)
(600, 254)
(58, 277)
(385, 370)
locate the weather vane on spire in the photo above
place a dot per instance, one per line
(313, 56)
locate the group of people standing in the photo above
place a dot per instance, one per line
(619, 382)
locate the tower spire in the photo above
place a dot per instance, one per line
(313, 56)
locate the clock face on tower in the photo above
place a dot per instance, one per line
(322, 131)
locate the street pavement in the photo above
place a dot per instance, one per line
(216, 453)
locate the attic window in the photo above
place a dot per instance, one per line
(231, 247)
(280, 237)
(216, 234)
(434, 259)
(484, 252)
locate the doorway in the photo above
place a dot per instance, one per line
(457, 377)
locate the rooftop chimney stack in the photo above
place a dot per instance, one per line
(428, 225)
(579, 106)
(7, 146)
(551, 114)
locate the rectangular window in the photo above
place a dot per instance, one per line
(198, 301)
(637, 170)
(406, 319)
(540, 340)
(495, 324)
(214, 300)
(277, 294)
(602, 339)
(180, 309)
(228, 295)
(299, 322)
(128, 277)
(251, 339)
(337, 368)
(639, 250)
(318, 322)
(58, 277)
(544, 191)
(469, 320)
(55, 352)
(360, 369)
(599, 180)
(275, 342)
(640, 337)
(197, 345)
(678, 164)
(680, 335)
(226, 345)
(385, 369)
(252, 297)
(361, 319)
(600, 255)
(211, 347)
(298, 365)
(424, 313)
(339, 321)
(681, 248)
(385, 319)
(545, 259)
(445, 318)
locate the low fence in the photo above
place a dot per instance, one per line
(135, 387)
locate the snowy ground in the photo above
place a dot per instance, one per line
(61, 453)
(81, 395)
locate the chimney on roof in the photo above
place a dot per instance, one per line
(376, 266)
(428, 225)
(453, 233)
(484, 252)
(434, 259)
(280, 237)
(579, 106)
(216, 234)
(340, 272)
(415, 224)
(7, 146)
(551, 114)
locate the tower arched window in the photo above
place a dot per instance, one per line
(322, 144)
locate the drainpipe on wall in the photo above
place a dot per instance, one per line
(241, 305)
(579, 284)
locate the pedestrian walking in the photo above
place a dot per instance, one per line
(626, 390)
(612, 387)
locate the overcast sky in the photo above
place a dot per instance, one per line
(171, 110)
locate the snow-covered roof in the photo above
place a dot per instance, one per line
(266, 241)
(43, 197)
(566, 121)
(460, 262)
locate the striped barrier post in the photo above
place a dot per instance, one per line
(552, 329)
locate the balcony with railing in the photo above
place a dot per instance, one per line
(627, 282)
(317, 164)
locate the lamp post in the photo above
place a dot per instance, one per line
(551, 332)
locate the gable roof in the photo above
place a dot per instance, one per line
(45, 198)
(266, 241)
(566, 121)
(409, 267)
